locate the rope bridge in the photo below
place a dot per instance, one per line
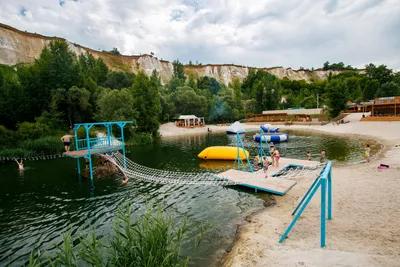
(143, 173)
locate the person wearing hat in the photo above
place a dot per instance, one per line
(272, 149)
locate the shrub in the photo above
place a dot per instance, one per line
(7, 137)
(82, 132)
(44, 146)
(32, 130)
(140, 139)
(16, 152)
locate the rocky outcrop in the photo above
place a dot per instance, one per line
(22, 47)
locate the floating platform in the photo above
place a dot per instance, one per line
(82, 153)
(257, 180)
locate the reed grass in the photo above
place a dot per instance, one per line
(155, 240)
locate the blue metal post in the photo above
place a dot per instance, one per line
(305, 196)
(300, 212)
(108, 134)
(121, 125)
(87, 128)
(330, 194)
(76, 137)
(79, 166)
(323, 210)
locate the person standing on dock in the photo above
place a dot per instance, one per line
(66, 139)
(277, 156)
(323, 156)
(308, 155)
(272, 149)
(265, 165)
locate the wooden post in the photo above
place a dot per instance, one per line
(372, 111)
(395, 109)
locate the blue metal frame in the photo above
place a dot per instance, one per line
(238, 160)
(324, 180)
(87, 143)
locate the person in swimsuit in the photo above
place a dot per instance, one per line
(277, 156)
(265, 165)
(20, 165)
(272, 148)
(66, 139)
(323, 156)
(367, 152)
(308, 155)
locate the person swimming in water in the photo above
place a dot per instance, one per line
(367, 152)
(308, 155)
(323, 156)
(20, 164)
(265, 165)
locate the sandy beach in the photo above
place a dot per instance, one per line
(364, 230)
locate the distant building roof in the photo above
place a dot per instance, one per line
(186, 117)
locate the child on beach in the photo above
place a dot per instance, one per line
(20, 165)
(308, 155)
(265, 165)
(367, 152)
(323, 156)
(276, 156)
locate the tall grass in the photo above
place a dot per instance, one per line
(43, 146)
(155, 240)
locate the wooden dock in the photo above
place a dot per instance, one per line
(258, 181)
(94, 150)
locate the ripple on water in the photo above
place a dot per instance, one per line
(49, 199)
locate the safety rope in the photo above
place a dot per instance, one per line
(143, 173)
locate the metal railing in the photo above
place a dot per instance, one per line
(98, 142)
(324, 180)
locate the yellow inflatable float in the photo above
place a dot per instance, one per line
(222, 153)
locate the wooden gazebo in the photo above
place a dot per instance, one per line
(383, 109)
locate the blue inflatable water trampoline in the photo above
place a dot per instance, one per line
(276, 138)
(268, 128)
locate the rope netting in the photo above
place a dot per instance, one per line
(143, 173)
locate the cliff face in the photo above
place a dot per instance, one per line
(22, 47)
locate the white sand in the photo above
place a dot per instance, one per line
(366, 211)
(366, 214)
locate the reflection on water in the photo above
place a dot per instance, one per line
(48, 198)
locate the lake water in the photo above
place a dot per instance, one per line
(48, 198)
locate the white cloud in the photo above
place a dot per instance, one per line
(260, 33)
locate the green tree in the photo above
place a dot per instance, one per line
(79, 107)
(237, 96)
(147, 102)
(116, 105)
(187, 102)
(337, 96)
(388, 89)
(119, 79)
(381, 73)
(178, 70)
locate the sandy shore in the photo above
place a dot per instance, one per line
(366, 214)
(366, 210)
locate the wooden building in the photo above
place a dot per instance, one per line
(189, 121)
(383, 109)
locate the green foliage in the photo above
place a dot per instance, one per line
(388, 89)
(381, 73)
(43, 146)
(153, 240)
(119, 79)
(16, 152)
(81, 133)
(336, 66)
(7, 137)
(116, 105)
(32, 130)
(146, 97)
(188, 102)
(337, 92)
(178, 70)
(140, 139)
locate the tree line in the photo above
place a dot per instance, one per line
(60, 88)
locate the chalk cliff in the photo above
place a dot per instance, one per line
(22, 47)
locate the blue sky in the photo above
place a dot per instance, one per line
(260, 33)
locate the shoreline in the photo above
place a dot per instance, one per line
(366, 211)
